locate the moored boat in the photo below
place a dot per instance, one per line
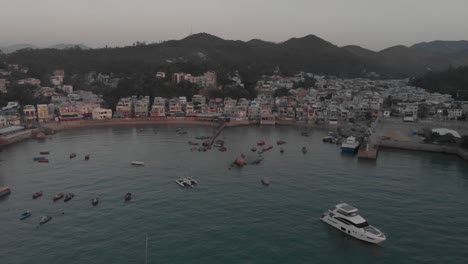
(58, 196)
(5, 191)
(137, 163)
(43, 161)
(345, 218)
(351, 145)
(86, 157)
(25, 215)
(95, 201)
(68, 197)
(281, 150)
(222, 149)
(45, 219)
(265, 181)
(38, 158)
(73, 155)
(128, 197)
(253, 149)
(44, 152)
(304, 150)
(193, 143)
(261, 143)
(267, 148)
(280, 142)
(37, 195)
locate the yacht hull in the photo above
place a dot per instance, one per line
(352, 231)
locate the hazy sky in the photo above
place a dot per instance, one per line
(374, 24)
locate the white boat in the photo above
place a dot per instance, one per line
(345, 218)
(184, 182)
(192, 181)
(138, 163)
(350, 145)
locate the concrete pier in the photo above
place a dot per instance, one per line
(368, 151)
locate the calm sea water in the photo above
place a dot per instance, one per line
(419, 200)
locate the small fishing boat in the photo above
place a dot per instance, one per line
(253, 149)
(95, 201)
(304, 150)
(193, 143)
(73, 155)
(45, 219)
(43, 161)
(58, 196)
(265, 181)
(128, 197)
(86, 157)
(268, 148)
(281, 150)
(280, 142)
(44, 152)
(38, 158)
(37, 195)
(261, 143)
(219, 142)
(4, 191)
(137, 163)
(193, 149)
(222, 149)
(257, 161)
(206, 144)
(68, 197)
(25, 215)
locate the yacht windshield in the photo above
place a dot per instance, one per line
(362, 225)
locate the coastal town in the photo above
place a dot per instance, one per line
(327, 101)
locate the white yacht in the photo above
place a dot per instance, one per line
(192, 181)
(350, 145)
(184, 182)
(346, 218)
(137, 163)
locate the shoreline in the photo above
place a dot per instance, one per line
(60, 126)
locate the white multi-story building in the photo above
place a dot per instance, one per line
(101, 113)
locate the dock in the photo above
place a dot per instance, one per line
(368, 151)
(218, 132)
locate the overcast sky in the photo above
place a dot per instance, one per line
(373, 24)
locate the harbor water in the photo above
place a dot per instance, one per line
(419, 200)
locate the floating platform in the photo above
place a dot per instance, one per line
(368, 151)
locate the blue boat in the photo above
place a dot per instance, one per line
(25, 215)
(351, 145)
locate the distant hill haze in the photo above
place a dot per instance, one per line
(205, 51)
(13, 48)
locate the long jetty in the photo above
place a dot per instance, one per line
(218, 132)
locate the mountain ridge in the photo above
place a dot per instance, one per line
(206, 51)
